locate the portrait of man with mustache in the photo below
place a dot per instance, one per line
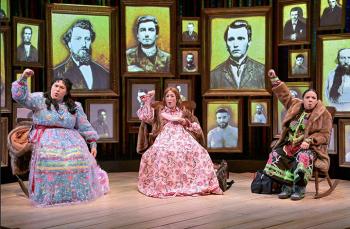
(79, 68)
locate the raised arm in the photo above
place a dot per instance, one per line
(146, 112)
(280, 89)
(21, 94)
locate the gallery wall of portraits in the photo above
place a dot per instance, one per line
(216, 53)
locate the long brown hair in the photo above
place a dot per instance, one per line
(177, 95)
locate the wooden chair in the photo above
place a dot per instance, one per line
(321, 172)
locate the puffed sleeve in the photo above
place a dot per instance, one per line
(84, 127)
(21, 94)
(146, 112)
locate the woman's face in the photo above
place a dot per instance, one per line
(58, 90)
(170, 99)
(310, 100)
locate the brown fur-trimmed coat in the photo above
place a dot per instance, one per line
(318, 126)
(149, 132)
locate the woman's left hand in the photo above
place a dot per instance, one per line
(182, 121)
(94, 152)
(304, 145)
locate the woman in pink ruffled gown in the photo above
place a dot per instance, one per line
(176, 164)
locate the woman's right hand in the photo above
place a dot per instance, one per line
(271, 74)
(148, 96)
(28, 73)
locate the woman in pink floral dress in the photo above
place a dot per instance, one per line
(176, 164)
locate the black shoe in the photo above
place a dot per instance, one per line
(286, 192)
(298, 192)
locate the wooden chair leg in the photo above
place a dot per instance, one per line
(316, 182)
(330, 189)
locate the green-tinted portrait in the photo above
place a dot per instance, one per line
(189, 30)
(147, 37)
(295, 22)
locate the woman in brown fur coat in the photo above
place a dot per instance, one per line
(304, 139)
(176, 164)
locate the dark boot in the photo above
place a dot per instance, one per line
(286, 192)
(298, 192)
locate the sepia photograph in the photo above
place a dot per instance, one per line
(190, 61)
(259, 112)
(103, 114)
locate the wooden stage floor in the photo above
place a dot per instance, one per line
(125, 207)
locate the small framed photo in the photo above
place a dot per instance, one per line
(229, 70)
(30, 80)
(259, 112)
(190, 59)
(137, 88)
(296, 89)
(331, 14)
(28, 35)
(3, 143)
(344, 142)
(5, 10)
(82, 45)
(332, 67)
(103, 115)
(183, 86)
(299, 63)
(223, 125)
(21, 113)
(190, 30)
(5, 75)
(294, 22)
(148, 38)
(333, 141)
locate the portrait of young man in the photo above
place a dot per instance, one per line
(238, 71)
(147, 56)
(224, 135)
(295, 28)
(84, 72)
(26, 50)
(299, 65)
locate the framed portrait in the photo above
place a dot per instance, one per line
(222, 125)
(103, 115)
(5, 76)
(299, 63)
(190, 30)
(183, 85)
(296, 89)
(294, 22)
(148, 40)
(3, 142)
(190, 59)
(333, 141)
(231, 69)
(344, 142)
(82, 45)
(137, 88)
(259, 112)
(331, 14)
(28, 35)
(5, 10)
(333, 82)
(30, 80)
(21, 113)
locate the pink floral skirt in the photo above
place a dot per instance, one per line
(176, 165)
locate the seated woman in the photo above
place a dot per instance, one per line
(176, 164)
(306, 130)
(62, 170)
